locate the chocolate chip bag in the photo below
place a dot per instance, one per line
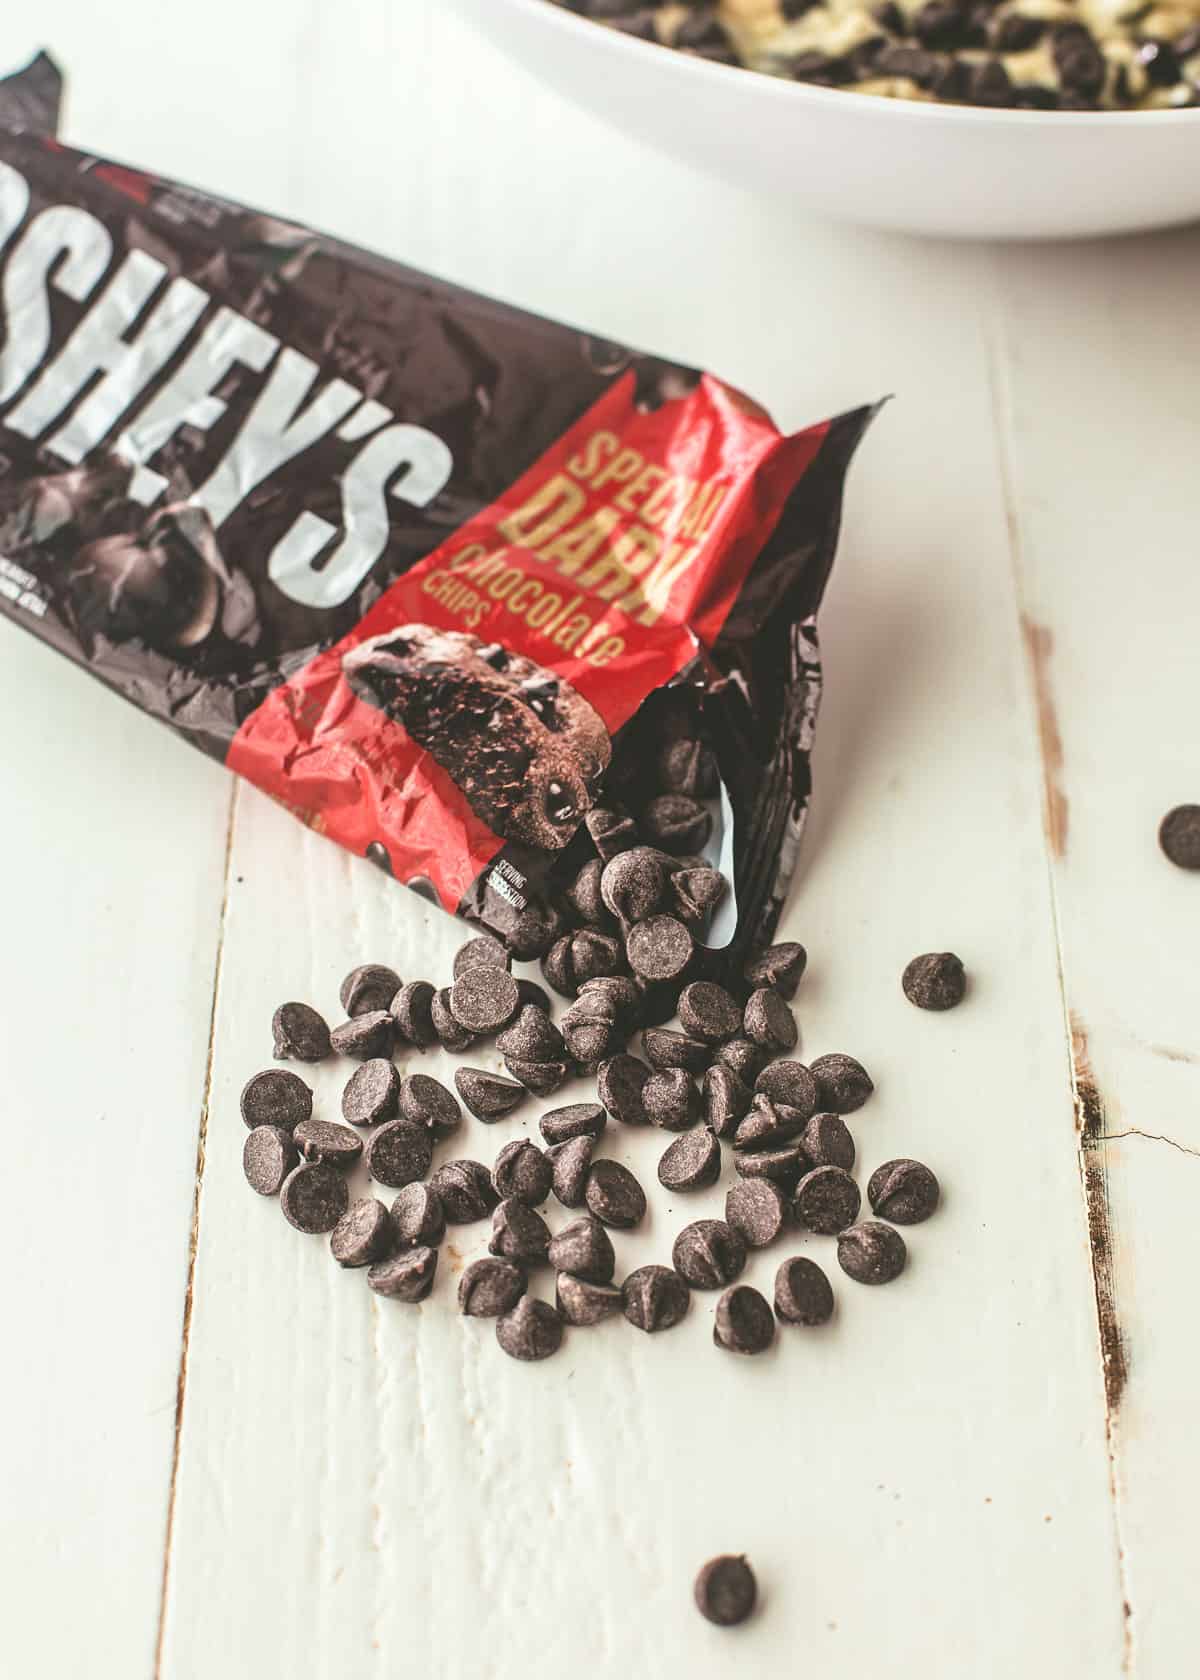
(440, 576)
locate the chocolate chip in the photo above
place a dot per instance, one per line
(314, 1197)
(743, 1057)
(665, 1049)
(533, 931)
(939, 23)
(591, 1039)
(518, 1233)
(427, 1102)
(584, 1248)
(268, 1156)
(1078, 60)
(671, 1100)
(814, 66)
(659, 948)
(532, 1037)
(418, 1217)
(687, 767)
(489, 1096)
(767, 1124)
(744, 1322)
(655, 1298)
(871, 1252)
(399, 1153)
(613, 1194)
(521, 1170)
(365, 1036)
(530, 992)
(300, 1034)
(532, 1330)
(707, 1011)
(677, 823)
(585, 897)
(790, 1083)
(782, 1166)
(368, 988)
(412, 1011)
(372, 1093)
(779, 966)
(620, 1084)
(827, 1142)
(1013, 32)
(584, 1119)
(325, 1140)
(490, 1287)
(582, 1302)
(725, 1591)
(613, 995)
(482, 951)
(542, 1078)
(827, 1200)
(570, 1164)
(989, 84)
(407, 1276)
(708, 1254)
(363, 1234)
(580, 956)
(451, 1034)
(484, 999)
(757, 1209)
(694, 894)
(802, 1292)
(611, 832)
(276, 1097)
(692, 1162)
(634, 884)
(1179, 834)
(903, 1191)
(843, 1085)
(725, 1098)
(936, 980)
(466, 1191)
(769, 1021)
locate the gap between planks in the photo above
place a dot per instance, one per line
(193, 1239)
(1037, 645)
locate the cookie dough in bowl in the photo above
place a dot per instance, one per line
(1039, 55)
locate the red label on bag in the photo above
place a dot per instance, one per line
(609, 563)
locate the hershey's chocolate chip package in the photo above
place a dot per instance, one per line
(444, 578)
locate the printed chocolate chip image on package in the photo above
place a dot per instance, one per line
(472, 593)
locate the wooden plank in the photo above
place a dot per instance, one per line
(113, 853)
(936, 1465)
(1102, 437)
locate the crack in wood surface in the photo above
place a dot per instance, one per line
(1151, 1137)
(193, 1244)
(1039, 646)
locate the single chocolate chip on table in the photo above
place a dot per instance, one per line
(659, 948)
(768, 1124)
(372, 1093)
(708, 1012)
(399, 1153)
(692, 1162)
(583, 1248)
(584, 1119)
(614, 995)
(314, 1197)
(827, 1142)
(365, 1036)
(757, 1209)
(743, 1057)
(412, 1011)
(620, 1084)
(367, 988)
(872, 1252)
(709, 1254)
(407, 1276)
(518, 1233)
(904, 1192)
(780, 966)
(418, 1217)
(483, 951)
(655, 1298)
(570, 1163)
(791, 1083)
(725, 1591)
(936, 980)
(591, 1039)
(614, 1195)
(744, 1322)
(671, 1100)
(532, 1330)
(695, 893)
(532, 1037)
(466, 1191)
(633, 885)
(725, 1098)
(580, 956)
(665, 1049)
(276, 1097)
(586, 899)
(484, 999)
(827, 1200)
(489, 1096)
(426, 1102)
(542, 1078)
(325, 1140)
(843, 1085)
(300, 1034)
(802, 1292)
(782, 1166)
(489, 1287)
(582, 1302)
(363, 1234)
(449, 1031)
(769, 1021)
(1179, 836)
(268, 1156)
(521, 1170)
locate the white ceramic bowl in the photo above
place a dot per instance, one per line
(917, 168)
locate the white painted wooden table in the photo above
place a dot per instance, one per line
(222, 1458)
